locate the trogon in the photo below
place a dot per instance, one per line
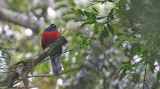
(49, 35)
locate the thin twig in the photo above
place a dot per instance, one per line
(48, 75)
(59, 54)
(144, 77)
(157, 80)
(13, 67)
(145, 67)
(57, 75)
(67, 47)
(63, 32)
(139, 77)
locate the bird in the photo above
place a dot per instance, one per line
(49, 35)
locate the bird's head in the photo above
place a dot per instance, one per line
(52, 27)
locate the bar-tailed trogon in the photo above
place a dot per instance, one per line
(49, 35)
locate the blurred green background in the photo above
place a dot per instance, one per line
(117, 40)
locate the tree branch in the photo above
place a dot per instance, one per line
(27, 65)
(144, 78)
(19, 18)
(50, 75)
(52, 49)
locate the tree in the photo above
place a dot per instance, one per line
(117, 41)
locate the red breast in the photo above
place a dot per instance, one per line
(49, 37)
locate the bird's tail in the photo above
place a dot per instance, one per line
(56, 65)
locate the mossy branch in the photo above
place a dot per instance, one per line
(12, 77)
(52, 49)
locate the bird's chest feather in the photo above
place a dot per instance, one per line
(49, 37)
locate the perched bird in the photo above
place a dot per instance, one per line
(49, 35)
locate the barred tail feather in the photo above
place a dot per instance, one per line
(56, 65)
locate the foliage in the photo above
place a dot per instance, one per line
(140, 36)
(116, 43)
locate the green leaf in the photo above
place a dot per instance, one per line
(130, 39)
(1, 45)
(87, 14)
(101, 38)
(90, 42)
(128, 62)
(73, 9)
(60, 6)
(93, 17)
(105, 32)
(127, 67)
(84, 37)
(136, 48)
(80, 12)
(123, 74)
(110, 15)
(95, 10)
(117, 39)
(110, 29)
(135, 77)
(120, 68)
(123, 63)
(82, 45)
(152, 67)
(85, 23)
(126, 31)
(119, 34)
(93, 38)
(135, 65)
